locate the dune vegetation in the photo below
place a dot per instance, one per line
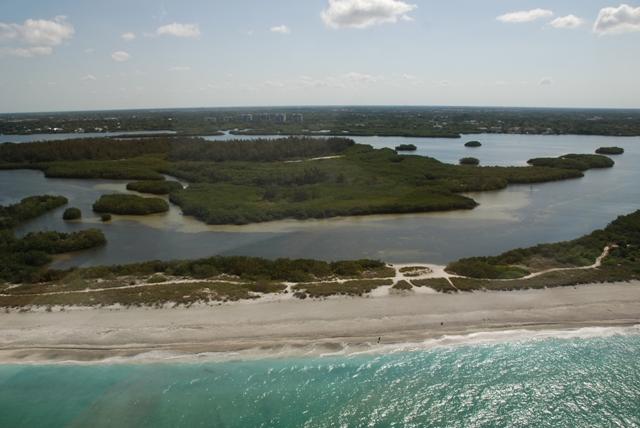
(622, 262)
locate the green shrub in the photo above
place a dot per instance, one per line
(105, 217)
(469, 161)
(72, 214)
(610, 151)
(406, 148)
(473, 144)
(130, 205)
(154, 187)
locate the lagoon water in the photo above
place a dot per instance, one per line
(519, 216)
(571, 380)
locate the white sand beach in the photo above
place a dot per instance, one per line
(303, 327)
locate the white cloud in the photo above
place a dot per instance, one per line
(365, 13)
(274, 84)
(180, 68)
(567, 22)
(28, 52)
(525, 16)
(617, 20)
(179, 30)
(89, 77)
(128, 36)
(282, 29)
(35, 37)
(361, 77)
(120, 56)
(546, 81)
(38, 32)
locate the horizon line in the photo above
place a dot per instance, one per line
(309, 106)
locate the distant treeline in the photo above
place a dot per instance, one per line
(173, 148)
(82, 149)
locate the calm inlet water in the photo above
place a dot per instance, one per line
(575, 382)
(516, 217)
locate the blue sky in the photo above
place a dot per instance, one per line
(90, 54)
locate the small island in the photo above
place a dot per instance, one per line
(72, 214)
(473, 144)
(574, 161)
(470, 161)
(130, 205)
(406, 148)
(610, 151)
(154, 187)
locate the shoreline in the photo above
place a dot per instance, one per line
(293, 328)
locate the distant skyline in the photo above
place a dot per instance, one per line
(92, 55)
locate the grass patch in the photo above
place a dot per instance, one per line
(440, 285)
(402, 286)
(349, 288)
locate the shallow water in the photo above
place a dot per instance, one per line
(564, 380)
(516, 217)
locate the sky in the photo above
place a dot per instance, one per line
(94, 54)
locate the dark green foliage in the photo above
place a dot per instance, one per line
(473, 144)
(72, 214)
(258, 150)
(241, 182)
(469, 161)
(23, 259)
(83, 150)
(610, 151)
(105, 217)
(59, 243)
(155, 187)
(29, 208)
(574, 161)
(406, 148)
(130, 205)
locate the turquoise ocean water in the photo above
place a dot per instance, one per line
(564, 381)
